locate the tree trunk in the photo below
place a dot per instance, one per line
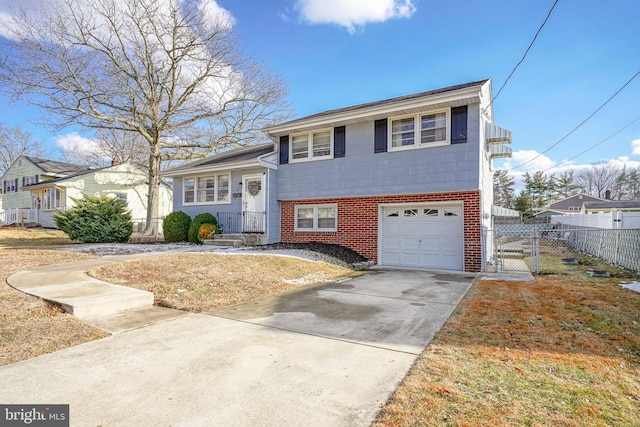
(153, 196)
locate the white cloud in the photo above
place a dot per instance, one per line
(530, 159)
(353, 13)
(635, 147)
(74, 143)
(213, 14)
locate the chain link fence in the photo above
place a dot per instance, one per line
(540, 247)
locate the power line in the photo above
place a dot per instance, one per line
(581, 123)
(594, 146)
(523, 56)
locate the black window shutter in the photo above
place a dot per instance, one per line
(37, 179)
(459, 125)
(23, 179)
(339, 141)
(380, 136)
(284, 150)
(16, 187)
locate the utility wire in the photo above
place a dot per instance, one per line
(594, 146)
(581, 123)
(523, 56)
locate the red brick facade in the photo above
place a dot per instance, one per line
(358, 222)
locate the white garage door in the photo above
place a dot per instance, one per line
(424, 236)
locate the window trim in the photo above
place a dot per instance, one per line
(309, 135)
(315, 228)
(417, 131)
(216, 200)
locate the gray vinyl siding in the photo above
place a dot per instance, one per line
(273, 207)
(363, 172)
(235, 206)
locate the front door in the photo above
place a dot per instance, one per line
(253, 203)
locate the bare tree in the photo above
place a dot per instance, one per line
(15, 142)
(167, 70)
(599, 178)
(110, 146)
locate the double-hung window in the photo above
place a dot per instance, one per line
(315, 145)
(316, 218)
(420, 130)
(210, 189)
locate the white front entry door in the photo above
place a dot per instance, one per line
(253, 203)
(424, 236)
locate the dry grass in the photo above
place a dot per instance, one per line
(30, 326)
(563, 350)
(201, 282)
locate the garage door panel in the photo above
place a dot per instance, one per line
(425, 240)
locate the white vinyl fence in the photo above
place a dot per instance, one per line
(614, 220)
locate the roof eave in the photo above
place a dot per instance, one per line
(197, 170)
(467, 95)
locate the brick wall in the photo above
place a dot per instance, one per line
(358, 222)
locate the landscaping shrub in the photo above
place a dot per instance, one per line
(176, 227)
(200, 220)
(207, 231)
(96, 219)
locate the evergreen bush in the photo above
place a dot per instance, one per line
(175, 227)
(200, 220)
(96, 219)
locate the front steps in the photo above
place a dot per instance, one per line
(236, 240)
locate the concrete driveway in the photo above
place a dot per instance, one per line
(326, 355)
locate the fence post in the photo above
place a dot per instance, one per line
(535, 250)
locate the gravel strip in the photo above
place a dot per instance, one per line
(168, 248)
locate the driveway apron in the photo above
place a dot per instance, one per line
(323, 355)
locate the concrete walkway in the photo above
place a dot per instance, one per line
(324, 355)
(113, 308)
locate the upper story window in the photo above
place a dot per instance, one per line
(315, 145)
(10, 185)
(210, 189)
(420, 130)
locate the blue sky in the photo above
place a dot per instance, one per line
(336, 53)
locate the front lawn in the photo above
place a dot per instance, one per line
(563, 350)
(30, 326)
(199, 282)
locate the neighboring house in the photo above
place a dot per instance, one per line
(31, 170)
(573, 204)
(122, 181)
(568, 206)
(610, 205)
(40, 187)
(237, 186)
(405, 181)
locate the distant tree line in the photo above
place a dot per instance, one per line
(541, 189)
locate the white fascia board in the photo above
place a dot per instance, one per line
(269, 160)
(213, 168)
(389, 109)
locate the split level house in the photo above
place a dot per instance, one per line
(405, 181)
(35, 189)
